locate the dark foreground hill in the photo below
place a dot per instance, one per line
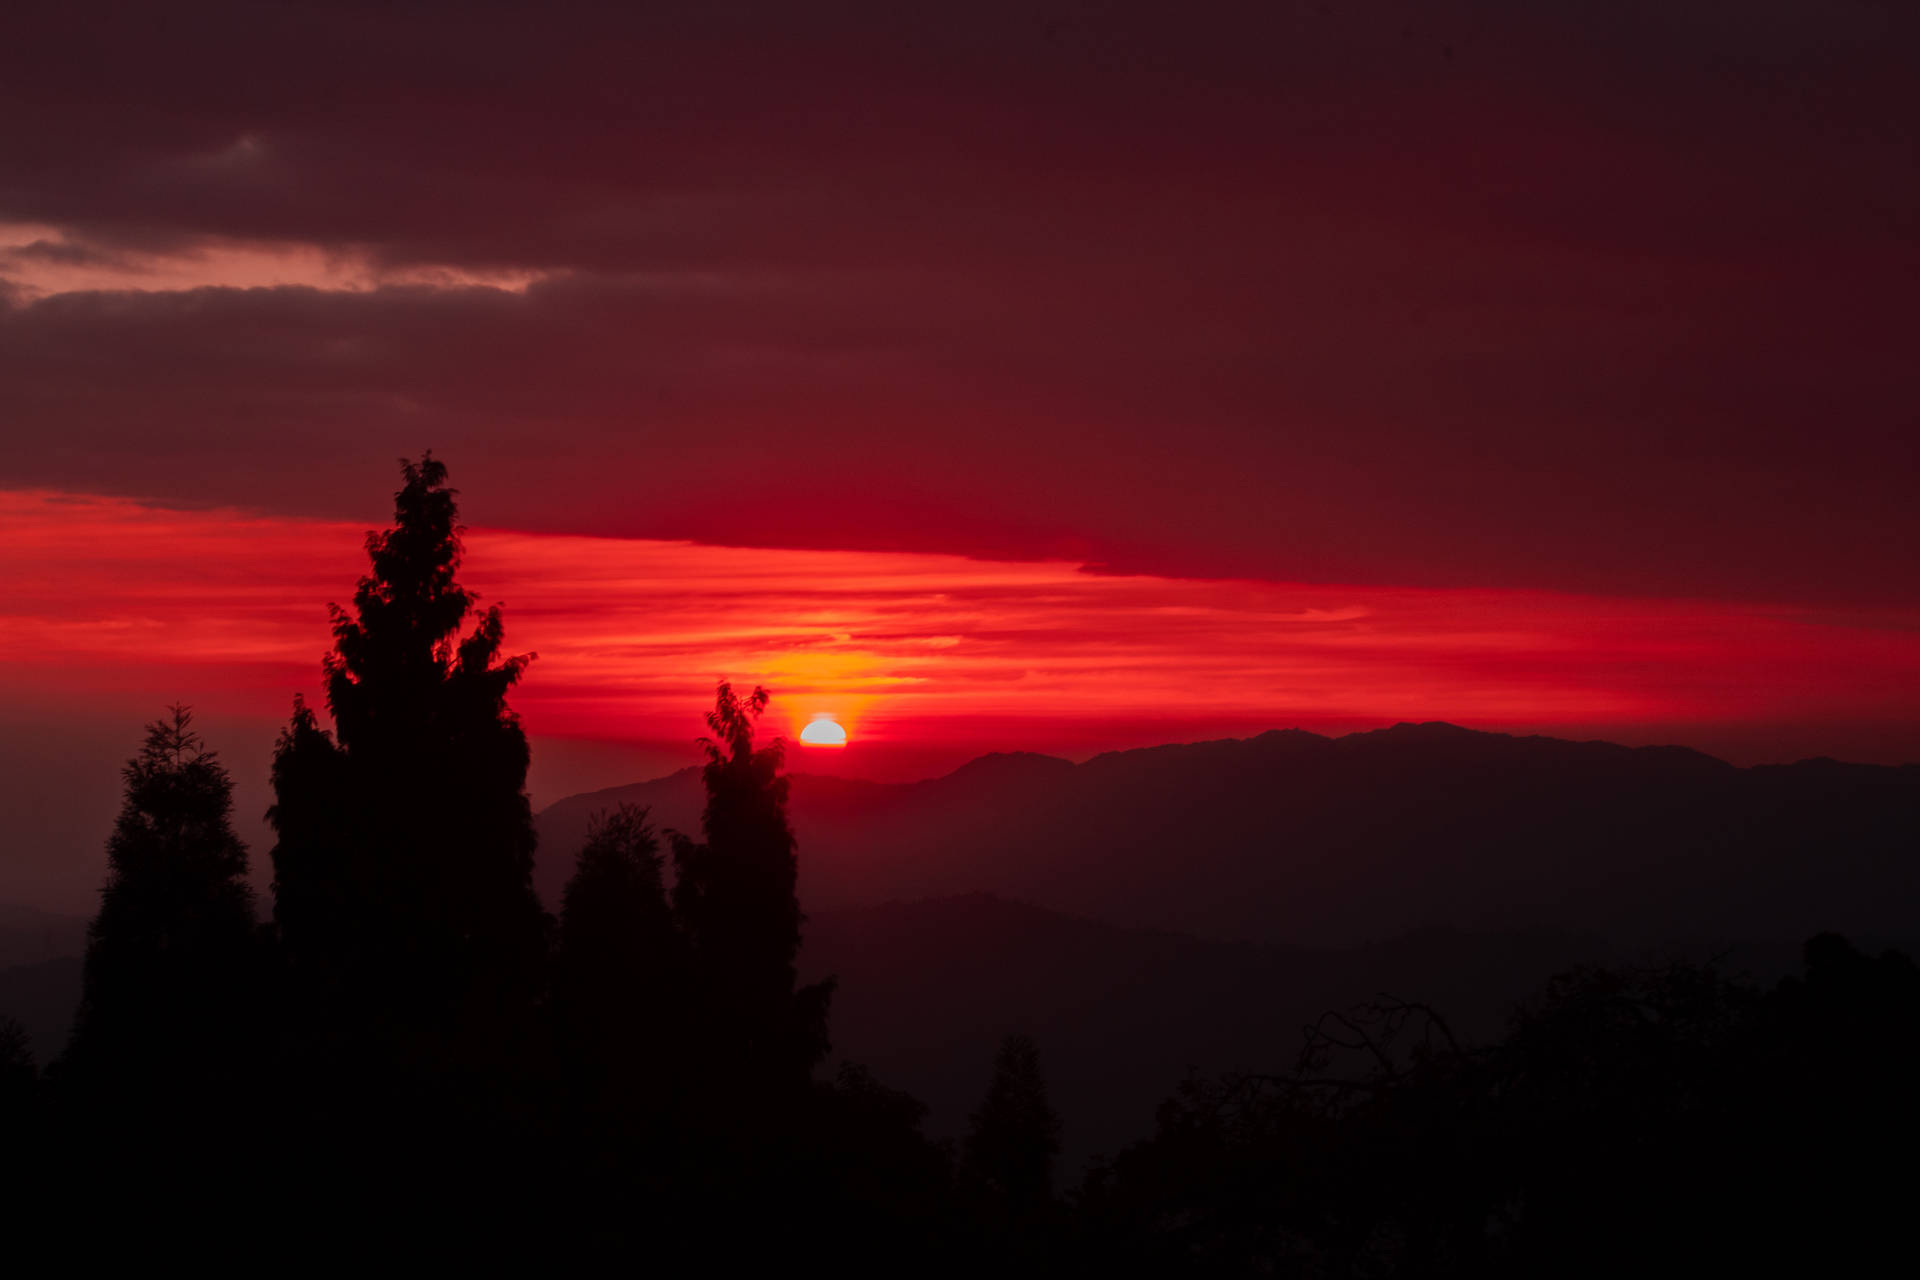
(927, 989)
(1294, 837)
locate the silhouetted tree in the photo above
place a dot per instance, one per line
(1006, 1162)
(170, 954)
(735, 898)
(403, 869)
(618, 983)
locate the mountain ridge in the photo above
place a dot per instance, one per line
(1293, 836)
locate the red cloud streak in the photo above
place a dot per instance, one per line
(928, 657)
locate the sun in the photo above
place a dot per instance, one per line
(824, 731)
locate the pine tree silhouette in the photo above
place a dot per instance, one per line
(735, 899)
(403, 885)
(170, 955)
(1006, 1162)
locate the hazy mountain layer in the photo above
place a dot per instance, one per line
(1294, 837)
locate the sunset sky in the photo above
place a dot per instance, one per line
(1018, 376)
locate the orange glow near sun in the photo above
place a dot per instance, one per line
(824, 731)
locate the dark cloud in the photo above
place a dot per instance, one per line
(1585, 296)
(62, 253)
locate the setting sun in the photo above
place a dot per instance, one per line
(824, 731)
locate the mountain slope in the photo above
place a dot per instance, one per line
(1291, 836)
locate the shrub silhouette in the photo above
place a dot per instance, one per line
(1665, 1115)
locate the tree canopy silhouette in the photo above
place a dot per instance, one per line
(1012, 1141)
(735, 896)
(169, 955)
(618, 980)
(403, 867)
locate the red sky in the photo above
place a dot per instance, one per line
(922, 655)
(112, 608)
(1563, 352)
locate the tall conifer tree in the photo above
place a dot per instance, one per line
(1006, 1162)
(403, 872)
(735, 896)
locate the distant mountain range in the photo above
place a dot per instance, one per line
(1190, 907)
(40, 973)
(1291, 837)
